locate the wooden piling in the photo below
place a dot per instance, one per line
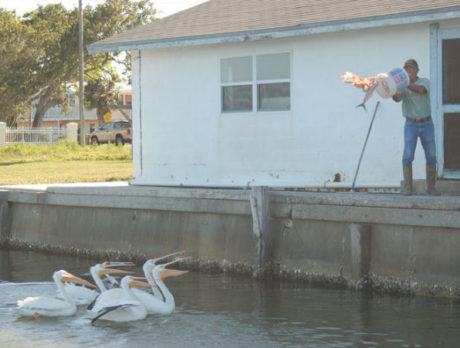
(360, 237)
(260, 208)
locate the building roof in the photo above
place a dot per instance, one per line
(241, 20)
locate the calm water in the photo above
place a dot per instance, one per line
(223, 311)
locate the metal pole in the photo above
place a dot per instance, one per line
(81, 82)
(364, 147)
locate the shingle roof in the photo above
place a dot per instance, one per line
(221, 17)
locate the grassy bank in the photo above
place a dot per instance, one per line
(64, 162)
(63, 151)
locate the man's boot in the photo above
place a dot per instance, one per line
(431, 181)
(407, 184)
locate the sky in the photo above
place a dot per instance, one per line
(164, 7)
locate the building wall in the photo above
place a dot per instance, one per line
(184, 139)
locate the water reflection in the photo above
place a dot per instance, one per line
(215, 310)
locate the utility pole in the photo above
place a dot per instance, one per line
(81, 82)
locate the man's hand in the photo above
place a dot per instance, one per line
(397, 97)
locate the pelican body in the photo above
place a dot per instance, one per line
(49, 306)
(126, 307)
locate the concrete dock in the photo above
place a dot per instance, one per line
(386, 242)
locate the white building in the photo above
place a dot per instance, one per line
(231, 93)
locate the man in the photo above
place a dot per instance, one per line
(416, 109)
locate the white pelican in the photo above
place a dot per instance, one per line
(143, 296)
(161, 303)
(125, 308)
(160, 273)
(148, 268)
(52, 307)
(84, 296)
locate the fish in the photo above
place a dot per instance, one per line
(367, 84)
(369, 93)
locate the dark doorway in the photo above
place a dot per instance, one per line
(451, 95)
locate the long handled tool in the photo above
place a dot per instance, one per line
(364, 147)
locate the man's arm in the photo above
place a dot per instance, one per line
(417, 89)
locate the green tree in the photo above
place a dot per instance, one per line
(18, 81)
(101, 94)
(58, 59)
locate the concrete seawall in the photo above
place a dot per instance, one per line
(382, 241)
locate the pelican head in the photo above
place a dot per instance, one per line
(167, 272)
(171, 273)
(176, 260)
(153, 262)
(64, 276)
(103, 270)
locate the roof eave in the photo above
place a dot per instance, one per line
(307, 29)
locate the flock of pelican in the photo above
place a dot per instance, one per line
(108, 299)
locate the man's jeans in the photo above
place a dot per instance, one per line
(424, 130)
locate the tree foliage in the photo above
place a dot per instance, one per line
(100, 94)
(45, 62)
(57, 58)
(18, 81)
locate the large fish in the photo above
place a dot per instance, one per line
(368, 84)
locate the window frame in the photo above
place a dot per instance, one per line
(255, 85)
(236, 84)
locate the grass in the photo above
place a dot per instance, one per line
(63, 151)
(64, 162)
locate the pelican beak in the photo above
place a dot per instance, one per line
(172, 273)
(113, 271)
(71, 278)
(179, 259)
(139, 278)
(118, 264)
(154, 261)
(138, 281)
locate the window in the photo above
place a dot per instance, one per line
(121, 125)
(269, 82)
(273, 82)
(236, 77)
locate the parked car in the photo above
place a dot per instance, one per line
(118, 132)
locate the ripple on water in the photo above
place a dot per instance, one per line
(225, 311)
